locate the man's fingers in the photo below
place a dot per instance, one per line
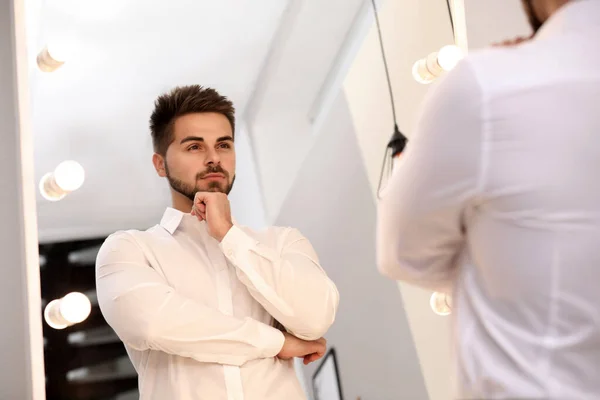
(312, 358)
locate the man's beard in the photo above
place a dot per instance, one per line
(534, 21)
(190, 191)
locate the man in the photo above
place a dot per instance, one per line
(497, 199)
(195, 299)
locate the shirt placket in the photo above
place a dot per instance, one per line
(233, 377)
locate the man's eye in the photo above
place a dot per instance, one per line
(194, 147)
(224, 146)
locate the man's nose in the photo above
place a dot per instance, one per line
(212, 157)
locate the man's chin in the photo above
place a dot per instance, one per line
(213, 189)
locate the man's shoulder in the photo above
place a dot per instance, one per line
(272, 229)
(499, 70)
(270, 233)
(134, 236)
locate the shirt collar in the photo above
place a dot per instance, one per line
(577, 15)
(171, 219)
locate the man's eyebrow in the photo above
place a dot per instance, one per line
(225, 139)
(192, 139)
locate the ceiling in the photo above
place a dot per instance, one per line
(95, 108)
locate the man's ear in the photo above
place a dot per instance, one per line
(159, 165)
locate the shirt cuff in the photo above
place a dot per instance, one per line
(236, 241)
(271, 340)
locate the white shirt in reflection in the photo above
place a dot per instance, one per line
(498, 197)
(197, 316)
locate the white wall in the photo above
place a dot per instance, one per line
(411, 30)
(331, 203)
(246, 199)
(21, 354)
(308, 42)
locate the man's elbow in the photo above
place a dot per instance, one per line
(426, 274)
(313, 330)
(390, 265)
(137, 333)
(395, 266)
(318, 323)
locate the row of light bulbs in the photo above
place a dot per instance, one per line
(67, 177)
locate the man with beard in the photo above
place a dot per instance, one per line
(197, 299)
(497, 201)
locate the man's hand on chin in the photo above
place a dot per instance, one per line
(213, 207)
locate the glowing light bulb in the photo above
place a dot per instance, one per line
(427, 69)
(441, 303)
(47, 63)
(449, 56)
(70, 310)
(421, 73)
(75, 307)
(57, 52)
(67, 177)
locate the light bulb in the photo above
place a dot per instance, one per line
(57, 52)
(47, 63)
(67, 177)
(421, 73)
(427, 69)
(441, 303)
(70, 310)
(449, 56)
(75, 307)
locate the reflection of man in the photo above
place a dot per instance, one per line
(195, 298)
(498, 198)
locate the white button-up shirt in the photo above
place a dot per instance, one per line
(498, 198)
(197, 316)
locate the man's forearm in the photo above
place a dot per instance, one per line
(147, 314)
(288, 282)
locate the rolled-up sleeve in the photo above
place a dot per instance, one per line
(421, 230)
(147, 313)
(287, 280)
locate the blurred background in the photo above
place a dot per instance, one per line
(309, 85)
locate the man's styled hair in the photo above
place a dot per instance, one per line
(181, 101)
